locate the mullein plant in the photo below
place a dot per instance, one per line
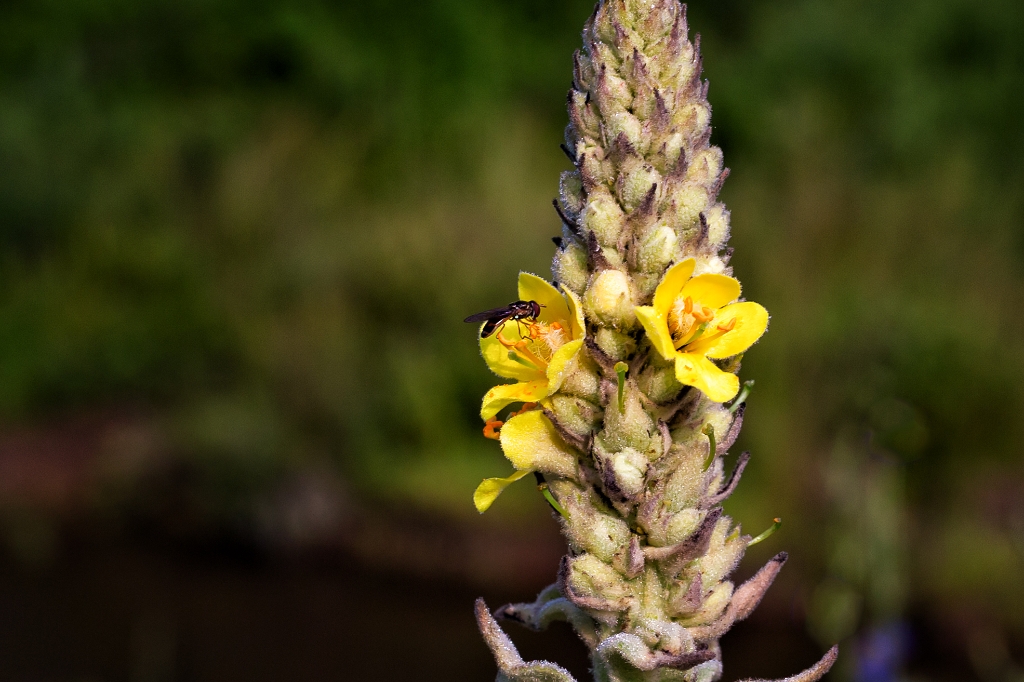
(625, 398)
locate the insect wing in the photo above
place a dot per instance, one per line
(495, 313)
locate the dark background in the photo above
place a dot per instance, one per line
(238, 406)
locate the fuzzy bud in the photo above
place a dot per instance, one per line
(589, 528)
(705, 167)
(625, 123)
(612, 93)
(688, 201)
(724, 552)
(668, 152)
(635, 183)
(610, 300)
(570, 267)
(576, 414)
(630, 427)
(718, 225)
(658, 249)
(629, 467)
(681, 525)
(693, 118)
(584, 120)
(604, 217)
(583, 382)
(658, 382)
(615, 345)
(590, 577)
(570, 190)
(713, 606)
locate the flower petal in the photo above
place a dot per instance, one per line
(530, 441)
(671, 284)
(576, 321)
(712, 291)
(533, 288)
(751, 322)
(561, 364)
(502, 396)
(497, 358)
(489, 489)
(697, 371)
(657, 330)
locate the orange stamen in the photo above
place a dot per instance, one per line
(705, 314)
(491, 429)
(723, 329)
(526, 408)
(687, 305)
(521, 348)
(505, 342)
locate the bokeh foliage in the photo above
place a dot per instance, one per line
(262, 222)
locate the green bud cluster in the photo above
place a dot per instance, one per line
(646, 581)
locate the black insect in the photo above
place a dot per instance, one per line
(496, 318)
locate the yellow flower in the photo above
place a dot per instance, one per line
(693, 319)
(538, 354)
(530, 442)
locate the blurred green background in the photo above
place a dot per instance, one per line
(238, 406)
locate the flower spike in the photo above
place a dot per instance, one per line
(625, 371)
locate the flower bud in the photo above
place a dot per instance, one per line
(657, 249)
(590, 529)
(688, 201)
(646, 283)
(635, 183)
(570, 267)
(718, 225)
(583, 382)
(604, 23)
(630, 427)
(630, 468)
(686, 484)
(590, 577)
(612, 93)
(595, 169)
(724, 552)
(659, 383)
(625, 123)
(570, 190)
(616, 345)
(604, 217)
(584, 120)
(713, 265)
(713, 606)
(679, 65)
(681, 526)
(668, 150)
(609, 299)
(705, 166)
(575, 414)
(658, 20)
(692, 119)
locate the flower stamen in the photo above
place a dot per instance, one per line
(491, 429)
(521, 347)
(492, 426)
(526, 408)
